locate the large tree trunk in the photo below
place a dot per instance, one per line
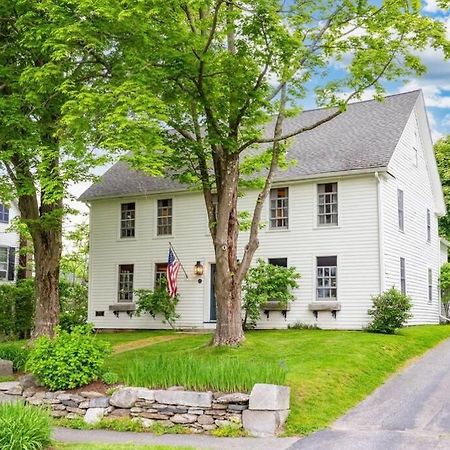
(47, 254)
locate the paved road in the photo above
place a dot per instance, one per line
(410, 411)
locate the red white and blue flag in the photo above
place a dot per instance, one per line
(173, 266)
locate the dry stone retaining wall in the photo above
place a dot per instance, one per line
(262, 413)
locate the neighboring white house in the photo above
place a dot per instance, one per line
(9, 243)
(357, 214)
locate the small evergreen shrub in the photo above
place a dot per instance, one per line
(266, 282)
(69, 360)
(390, 311)
(24, 427)
(16, 353)
(158, 302)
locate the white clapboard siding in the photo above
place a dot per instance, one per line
(354, 241)
(420, 255)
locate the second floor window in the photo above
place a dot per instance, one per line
(428, 225)
(327, 202)
(327, 278)
(128, 220)
(3, 263)
(401, 210)
(279, 211)
(126, 279)
(4, 214)
(164, 224)
(402, 276)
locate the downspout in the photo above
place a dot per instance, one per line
(380, 230)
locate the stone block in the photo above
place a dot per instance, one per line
(154, 416)
(205, 420)
(183, 418)
(263, 423)
(29, 392)
(232, 407)
(233, 398)
(84, 405)
(222, 423)
(29, 381)
(6, 368)
(127, 397)
(269, 397)
(91, 394)
(16, 390)
(59, 413)
(184, 398)
(7, 385)
(99, 402)
(70, 403)
(195, 411)
(120, 413)
(94, 415)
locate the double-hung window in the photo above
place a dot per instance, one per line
(327, 278)
(160, 273)
(128, 220)
(401, 210)
(4, 214)
(126, 281)
(3, 263)
(164, 220)
(428, 225)
(430, 285)
(279, 208)
(402, 276)
(327, 202)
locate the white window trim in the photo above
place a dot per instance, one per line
(315, 285)
(430, 301)
(268, 210)
(428, 226)
(119, 232)
(316, 208)
(155, 221)
(400, 275)
(7, 264)
(402, 230)
(117, 281)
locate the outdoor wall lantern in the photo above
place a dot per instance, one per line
(198, 269)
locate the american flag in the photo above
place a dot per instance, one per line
(173, 266)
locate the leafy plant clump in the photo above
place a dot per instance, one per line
(16, 353)
(444, 283)
(69, 360)
(73, 304)
(24, 427)
(390, 311)
(158, 302)
(224, 375)
(266, 282)
(302, 326)
(110, 378)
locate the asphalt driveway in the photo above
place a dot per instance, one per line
(410, 411)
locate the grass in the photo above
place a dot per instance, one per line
(328, 371)
(23, 427)
(130, 336)
(61, 446)
(229, 374)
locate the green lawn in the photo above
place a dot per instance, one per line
(130, 336)
(328, 371)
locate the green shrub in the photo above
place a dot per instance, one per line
(23, 427)
(224, 375)
(17, 309)
(158, 302)
(69, 360)
(73, 304)
(390, 311)
(110, 378)
(16, 353)
(302, 326)
(266, 282)
(444, 283)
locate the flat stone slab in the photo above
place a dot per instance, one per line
(269, 397)
(233, 398)
(127, 397)
(6, 368)
(263, 423)
(9, 398)
(184, 398)
(8, 385)
(94, 415)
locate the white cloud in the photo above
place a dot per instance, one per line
(431, 6)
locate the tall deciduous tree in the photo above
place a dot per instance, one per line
(442, 152)
(38, 157)
(205, 81)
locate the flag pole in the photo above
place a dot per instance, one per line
(181, 264)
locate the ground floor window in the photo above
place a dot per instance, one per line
(3, 263)
(430, 285)
(282, 262)
(326, 277)
(402, 276)
(126, 278)
(160, 273)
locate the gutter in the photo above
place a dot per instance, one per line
(380, 231)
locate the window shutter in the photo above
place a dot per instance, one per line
(11, 263)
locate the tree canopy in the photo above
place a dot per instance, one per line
(442, 152)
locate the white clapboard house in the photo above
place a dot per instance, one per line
(9, 243)
(356, 215)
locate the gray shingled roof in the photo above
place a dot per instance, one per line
(364, 137)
